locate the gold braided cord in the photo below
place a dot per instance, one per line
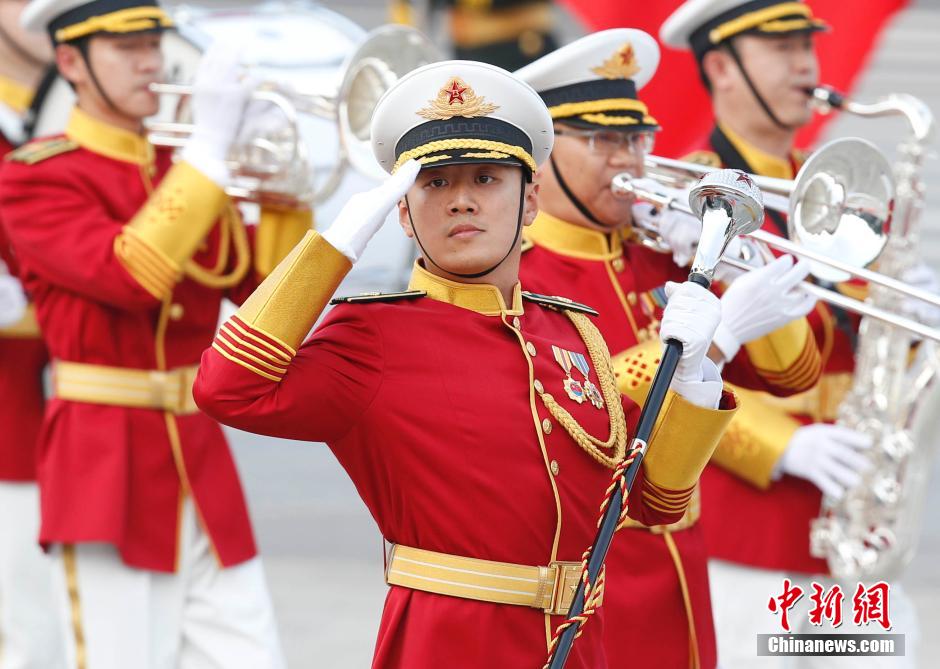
(791, 25)
(465, 143)
(755, 18)
(606, 119)
(484, 154)
(131, 19)
(616, 444)
(590, 106)
(212, 279)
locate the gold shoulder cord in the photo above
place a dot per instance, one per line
(600, 356)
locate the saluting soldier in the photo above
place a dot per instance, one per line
(127, 257)
(584, 240)
(766, 481)
(28, 633)
(457, 407)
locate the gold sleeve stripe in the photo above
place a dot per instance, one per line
(261, 354)
(235, 349)
(266, 339)
(668, 493)
(244, 364)
(157, 275)
(802, 374)
(664, 507)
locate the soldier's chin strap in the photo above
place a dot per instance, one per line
(476, 275)
(750, 84)
(580, 206)
(83, 47)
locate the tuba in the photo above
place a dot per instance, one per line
(872, 532)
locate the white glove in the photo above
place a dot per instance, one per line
(743, 249)
(12, 300)
(760, 301)
(219, 99)
(364, 213)
(681, 231)
(691, 316)
(828, 456)
(923, 277)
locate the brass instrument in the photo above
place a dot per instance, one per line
(839, 207)
(274, 167)
(872, 532)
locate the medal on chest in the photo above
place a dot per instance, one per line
(578, 390)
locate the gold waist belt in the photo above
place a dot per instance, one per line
(548, 588)
(170, 390)
(691, 516)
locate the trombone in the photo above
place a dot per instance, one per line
(275, 168)
(839, 209)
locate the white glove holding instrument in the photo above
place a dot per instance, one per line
(681, 231)
(828, 456)
(12, 300)
(219, 98)
(761, 301)
(364, 213)
(691, 317)
(923, 277)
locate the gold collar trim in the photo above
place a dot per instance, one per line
(108, 140)
(482, 298)
(762, 163)
(15, 95)
(574, 240)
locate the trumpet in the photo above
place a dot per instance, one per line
(273, 167)
(839, 209)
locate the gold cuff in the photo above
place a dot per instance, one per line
(168, 229)
(755, 440)
(787, 357)
(287, 304)
(278, 232)
(25, 328)
(634, 369)
(683, 440)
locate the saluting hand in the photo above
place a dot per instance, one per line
(364, 213)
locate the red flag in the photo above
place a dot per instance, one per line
(676, 96)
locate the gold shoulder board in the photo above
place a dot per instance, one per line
(40, 150)
(378, 297)
(555, 302)
(709, 158)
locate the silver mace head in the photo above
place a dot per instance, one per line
(729, 204)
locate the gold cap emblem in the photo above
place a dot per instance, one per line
(621, 65)
(456, 98)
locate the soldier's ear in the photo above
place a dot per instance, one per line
(716, 66)
(403, 219)
(71, 64)
(531, 207)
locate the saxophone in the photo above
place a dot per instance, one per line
(872, 532)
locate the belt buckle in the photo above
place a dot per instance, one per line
(567, 579)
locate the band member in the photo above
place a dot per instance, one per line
(583, 241)
(478, 422)
(28, 633)
(768, 476)
(128, 256)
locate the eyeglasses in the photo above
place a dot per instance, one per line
(608, 141)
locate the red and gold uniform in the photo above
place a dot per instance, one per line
(448, 410)
(127, 258)
(657, 576)
(22, 353)
(737, 488)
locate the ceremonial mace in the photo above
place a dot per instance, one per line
(729, 204)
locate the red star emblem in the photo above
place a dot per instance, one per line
(626, 55)
(742, 176)
(455, 92)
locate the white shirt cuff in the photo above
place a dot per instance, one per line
(726, 342)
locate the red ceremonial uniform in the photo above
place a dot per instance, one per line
(436, 407)
(109, 472)
(22, 359)
(656, 577)
(749, 518)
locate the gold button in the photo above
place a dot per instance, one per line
(176, 311)
(617, 264)
(554, 467)
(631, 298)
(530, 348)
(539, 388)
(515, 322)
(547, 426)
